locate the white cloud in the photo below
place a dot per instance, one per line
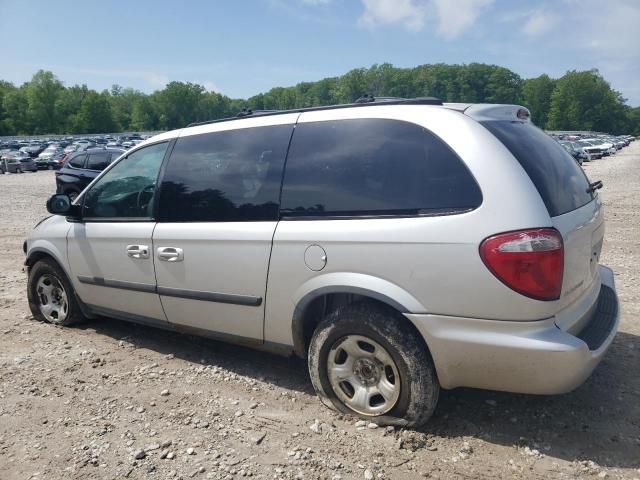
(210, 86)
(454, 17)
(408, 13)
(540, 22)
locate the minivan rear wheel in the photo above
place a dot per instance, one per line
(365, 360)
(51, 295)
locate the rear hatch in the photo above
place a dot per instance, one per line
(574, 209)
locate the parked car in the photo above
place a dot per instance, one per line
(44, 159)
(594, 151)
(84, 144)
(82, 167)
(33, 149)
(57, 160)
(575, 152)
(18, 162)
(605, 147)
(383, 250)
(70, 148)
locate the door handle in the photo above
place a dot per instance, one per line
(138, 251)
(170, 254)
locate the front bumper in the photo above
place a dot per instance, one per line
(522, 357)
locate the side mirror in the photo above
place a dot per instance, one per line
(60, 204)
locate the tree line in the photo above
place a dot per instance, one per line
(579, 100)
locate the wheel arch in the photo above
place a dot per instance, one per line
(39, 253)
(316, 303)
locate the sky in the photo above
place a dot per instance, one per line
(244, 47)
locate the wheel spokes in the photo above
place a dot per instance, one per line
(363, 375)
(386, 389)
(342, 371)
(52, 297)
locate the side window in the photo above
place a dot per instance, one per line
(373, 167)
(127, 190)
(229, 176)
(77, 161)
(98, 161)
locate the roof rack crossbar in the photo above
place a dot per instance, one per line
(364, 101)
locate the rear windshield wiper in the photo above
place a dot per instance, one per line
(597, 185)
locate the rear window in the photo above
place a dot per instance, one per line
(558, 178)
(373, 167)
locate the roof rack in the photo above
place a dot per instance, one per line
(245, 112)
(363, 101)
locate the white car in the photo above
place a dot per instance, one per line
(401, 246)
(608, 148)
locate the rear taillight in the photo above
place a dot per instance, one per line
(531, 262)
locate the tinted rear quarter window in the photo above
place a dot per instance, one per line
(98, 161)
(77, 161)
(558, 178)
(374, 167)
(225, 176)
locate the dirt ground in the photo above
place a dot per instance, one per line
(114, 400)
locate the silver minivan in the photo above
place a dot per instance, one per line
(400, 245)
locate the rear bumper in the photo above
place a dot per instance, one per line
(522, 357)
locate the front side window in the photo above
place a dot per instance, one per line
(373, 167)
(127, 190)
(229, 176)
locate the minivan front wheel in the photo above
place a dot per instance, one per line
(51, 296)
(366, 361)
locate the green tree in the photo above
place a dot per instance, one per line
(5, 89)
(143, 115)
(633, 121)
(178, 104)
(68, 107)
(503, 86)
(585, 101)
(95, 113)
(578, 100)
(42, 93)
(15, 104)
(536, 96)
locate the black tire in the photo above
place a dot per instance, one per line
(49, 268)
(18, 170)
(419, 387)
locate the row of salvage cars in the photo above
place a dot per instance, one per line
(585, 148)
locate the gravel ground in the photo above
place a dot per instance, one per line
(114, 400)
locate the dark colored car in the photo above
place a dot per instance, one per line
(18, 162)
(34, 149)
(573, 151)
(82, 167)
(57, 161)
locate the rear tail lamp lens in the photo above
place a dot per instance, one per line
(531, 262)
